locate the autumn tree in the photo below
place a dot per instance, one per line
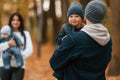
(114, 66)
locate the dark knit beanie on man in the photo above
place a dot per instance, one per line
(95, 11)
(75, 8)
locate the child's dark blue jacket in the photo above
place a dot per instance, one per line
(81, 58)
(67, 29)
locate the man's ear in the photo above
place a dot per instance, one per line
(84, 20)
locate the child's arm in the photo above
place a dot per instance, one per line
(60, 36)
(5, 45)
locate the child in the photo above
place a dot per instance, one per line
(75, 16)
(6, 35)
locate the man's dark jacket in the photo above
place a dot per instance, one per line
(80, 57)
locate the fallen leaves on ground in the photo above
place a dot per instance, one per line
(38, 68)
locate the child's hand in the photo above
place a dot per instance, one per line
(83, 24)
(64, 37)
(12, 57)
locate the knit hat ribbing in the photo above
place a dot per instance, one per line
(6, 29)
(95, 11)
(75, 8)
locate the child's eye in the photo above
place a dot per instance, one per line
(76, 16)
(71, 16)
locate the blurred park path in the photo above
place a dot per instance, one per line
(38, 68)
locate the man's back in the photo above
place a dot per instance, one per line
(89, 59)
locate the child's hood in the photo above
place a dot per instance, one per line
(6, 29)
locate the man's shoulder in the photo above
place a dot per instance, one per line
(78, 36)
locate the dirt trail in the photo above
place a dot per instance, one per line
(38, 68)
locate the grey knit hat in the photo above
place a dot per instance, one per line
(95, 11)
(75, 8)
(6, 29)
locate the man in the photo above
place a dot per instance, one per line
(86, 54)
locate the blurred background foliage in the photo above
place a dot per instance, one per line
(44, 19)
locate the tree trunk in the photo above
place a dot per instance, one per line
(84, 2)
(44, 29)
(65, 5)
(56, 22)
(113, 69)
(53, 16)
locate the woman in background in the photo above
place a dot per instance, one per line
(16, 73)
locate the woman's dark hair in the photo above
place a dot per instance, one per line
(21, 28)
